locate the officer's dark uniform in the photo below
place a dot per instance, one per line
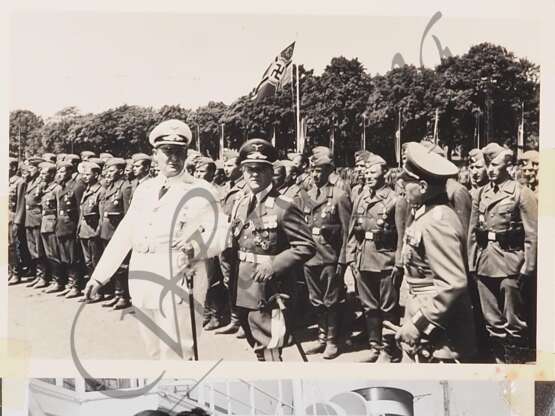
(88, 229)
(68, 198)
(327, 211)
(48, 231)
(434, 257)
(371, 251)
(234, 190)
(16, 224)
(33, 219)
(504, 223)
(113, 207)
(266, 231)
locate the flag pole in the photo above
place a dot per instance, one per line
(363, 131)
(298, 100)
(436, 135)
(398, 140)
(221, 152)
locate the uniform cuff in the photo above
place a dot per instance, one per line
(422, 323)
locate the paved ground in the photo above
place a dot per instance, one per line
(45, 321)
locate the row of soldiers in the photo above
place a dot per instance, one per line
(460, 259)
(63, 211)
(65, 208)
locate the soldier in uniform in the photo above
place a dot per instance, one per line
(86, 155)
(477, 169)
(33, 219)
(49, 205)
(327, 210)
(279, 175)
(458, 194)
(300, 161)
(141, 169)
(290, 188)
(504, 223)
(113, 206)
(88, 229)
(438, 322)
(68, 196)
(16, 222)
(530, 169)
(234, 189)
(358, 180)
(163, 248)
(371, 256)
(216, 294)
(268, 238)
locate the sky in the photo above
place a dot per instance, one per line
(97, 61)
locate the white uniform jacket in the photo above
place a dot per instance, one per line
(187, 211)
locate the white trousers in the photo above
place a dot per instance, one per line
(176, 325)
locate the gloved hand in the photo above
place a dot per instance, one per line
(408, 334)
(263, 272)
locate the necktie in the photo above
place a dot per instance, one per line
(162, 191)
(252, 205)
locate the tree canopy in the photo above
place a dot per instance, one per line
(484, 92)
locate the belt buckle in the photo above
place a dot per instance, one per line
(368, 235)
(242, 256)
(491, 236)
(315, 231)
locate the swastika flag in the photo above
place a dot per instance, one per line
(275, 74)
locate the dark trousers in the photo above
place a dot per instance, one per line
(17, 247)
(378, 298)
(52, 254)
(325, 287)
(34, 243)
(92, 251)
(503, 308)
(36, 252)
(119, 283)
(70, 258)
(216, 295)
(257, 325)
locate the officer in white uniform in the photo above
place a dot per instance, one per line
(174, 224)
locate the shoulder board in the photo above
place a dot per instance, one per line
(437, 214)
(286, 198)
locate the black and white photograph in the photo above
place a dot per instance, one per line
(330, 188)
(237, 396)
(545, 398)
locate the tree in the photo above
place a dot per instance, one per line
(406, 89)
(337, 100)
(25, 131)
(209, 119)
(483, 90)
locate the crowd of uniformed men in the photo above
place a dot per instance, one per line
(441, 259)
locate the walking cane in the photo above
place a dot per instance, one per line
(189, 277)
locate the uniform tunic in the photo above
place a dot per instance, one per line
(434, 262)
(186, 211)
(33, 218)
(328, 215)
(371, 250)
(275, 232)
(502, 246)
(88, 229)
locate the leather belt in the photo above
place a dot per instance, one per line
(249, 257)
